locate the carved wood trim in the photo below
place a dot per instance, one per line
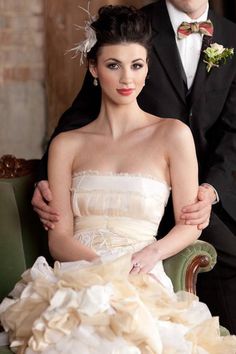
(12, 167)
(193, 270)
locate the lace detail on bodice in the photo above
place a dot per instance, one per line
(125, 174)
(112, 211)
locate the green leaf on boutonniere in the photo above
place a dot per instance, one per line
(215, 55)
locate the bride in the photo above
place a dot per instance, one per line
(108, 292)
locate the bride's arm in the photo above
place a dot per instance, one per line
(183, 170)
(62, 245)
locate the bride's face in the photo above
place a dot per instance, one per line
(121, 70)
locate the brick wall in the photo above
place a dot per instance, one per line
(22, 75)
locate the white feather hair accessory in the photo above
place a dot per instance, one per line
(90, 40)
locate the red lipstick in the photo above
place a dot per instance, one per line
(125, 92)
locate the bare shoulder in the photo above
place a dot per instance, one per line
(176, 131)
(170, 124)
(175, 126)
(66, 141)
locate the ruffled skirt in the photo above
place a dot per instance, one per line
(97, 308)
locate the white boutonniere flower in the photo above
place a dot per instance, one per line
(215, 55)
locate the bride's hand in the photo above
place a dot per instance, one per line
(144, 260)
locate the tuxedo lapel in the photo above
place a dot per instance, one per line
(166, 49)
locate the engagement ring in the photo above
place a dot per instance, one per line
(137, 265)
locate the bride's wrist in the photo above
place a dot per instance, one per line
(157, 250)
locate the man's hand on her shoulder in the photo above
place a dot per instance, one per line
(41, 197)
(199, 213)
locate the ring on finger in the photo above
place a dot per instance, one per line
(137, 265)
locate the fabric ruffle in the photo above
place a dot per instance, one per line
(100, 308)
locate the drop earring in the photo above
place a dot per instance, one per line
(95, 81)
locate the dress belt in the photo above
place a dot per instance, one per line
(123, 226)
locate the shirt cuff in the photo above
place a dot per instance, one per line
(217, 198)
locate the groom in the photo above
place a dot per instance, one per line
(179, 86)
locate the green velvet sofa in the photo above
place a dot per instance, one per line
(22, 237)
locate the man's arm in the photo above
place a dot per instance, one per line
(222, 165)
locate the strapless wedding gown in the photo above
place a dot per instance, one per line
(98, 308)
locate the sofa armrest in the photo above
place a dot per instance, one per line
(22, 237)
(184, 267)
(5, 350)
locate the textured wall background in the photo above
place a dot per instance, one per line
(37, 80)
(22, 94)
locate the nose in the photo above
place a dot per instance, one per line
(126, 76)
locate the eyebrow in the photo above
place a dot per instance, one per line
(118, 61)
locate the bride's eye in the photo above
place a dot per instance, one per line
(113, 66)
(137, 66)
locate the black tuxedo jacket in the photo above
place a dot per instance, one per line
(209, 110)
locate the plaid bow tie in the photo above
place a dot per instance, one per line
(186, 28)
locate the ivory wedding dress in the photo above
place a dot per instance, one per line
(98, 308)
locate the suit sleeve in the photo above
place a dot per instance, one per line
(83, 110)
(222, 171)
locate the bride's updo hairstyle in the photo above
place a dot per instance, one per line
(120, 24)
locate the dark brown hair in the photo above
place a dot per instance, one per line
(119, 24)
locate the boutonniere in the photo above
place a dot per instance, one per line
(215, 55)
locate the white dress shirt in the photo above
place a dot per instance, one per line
(189, 47)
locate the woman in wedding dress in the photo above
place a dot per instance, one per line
(108, 292)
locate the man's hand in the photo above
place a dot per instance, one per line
(42, 196)
(199, 212)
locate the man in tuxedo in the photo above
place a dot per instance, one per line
(179, 86)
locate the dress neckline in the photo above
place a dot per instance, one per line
(119, 174)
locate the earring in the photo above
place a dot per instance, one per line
(95, 81)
